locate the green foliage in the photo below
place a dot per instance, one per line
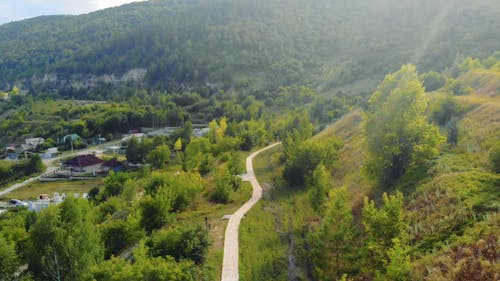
(320, 184)
(469, 64)
(132, 151)
(182, 188)
(458, 87)
(190, 242)
(397, 132)
(137, 151)
(35, 165)
(141, 36)
(398, 263)
(443, 110)
(119, 234)
(332, 243)
(198, 156)
(9, 261)
(432, 81)
(303, 157)
(156, 211)
(154, 269)
(159, 157)
(224, 185)
(382, 225)
(63, 243)
(495, 158)
(235, 164)
(114, 183)
(12, 172)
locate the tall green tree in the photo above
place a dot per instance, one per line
(64, 244)
(132, 152)
(9, 261)
(332, 242)
(159, 156)
(398, 134)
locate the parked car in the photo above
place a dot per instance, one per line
(18, 202)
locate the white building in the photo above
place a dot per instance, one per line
(34, 142)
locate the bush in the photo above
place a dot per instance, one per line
(118, 234)
(433, 81)
(186, 243)
(156, 211)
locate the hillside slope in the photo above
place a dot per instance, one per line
(450, 204)
(243, 44)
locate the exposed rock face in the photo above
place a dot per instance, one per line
(54, 81)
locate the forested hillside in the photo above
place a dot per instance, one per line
(405, 189)
(252, 45)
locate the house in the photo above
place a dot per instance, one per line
(112, 165)
(34, 142)
(13, 150)
(51, 153)
(87, 163)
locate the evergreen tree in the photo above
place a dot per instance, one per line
(382, 226)
(320, 185)
(332, 242)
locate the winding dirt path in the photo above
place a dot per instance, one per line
(230, 262)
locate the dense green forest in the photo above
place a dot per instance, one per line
(250, 46)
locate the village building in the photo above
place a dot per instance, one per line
(34, 142)
(87, 163)
(112, 165)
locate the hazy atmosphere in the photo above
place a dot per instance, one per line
(15, 10)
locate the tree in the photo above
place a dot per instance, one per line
(63, 243)
(320, 185)
(189, 242)
(223, 185)
(9, 261)
(217, 130)
(160, 156)
(132, 152)
(114, 183)
(398, 264)
(35, 165)
(234, 164)
(118, 234)
(382, 226)
(433, 81)
(198, 156)
(178, 145)
(398, 135)
(156, 211)
(332, 242)
(303, 157)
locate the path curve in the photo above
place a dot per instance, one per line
(230, 262)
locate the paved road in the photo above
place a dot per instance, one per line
(230, 261)
(50, 166)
